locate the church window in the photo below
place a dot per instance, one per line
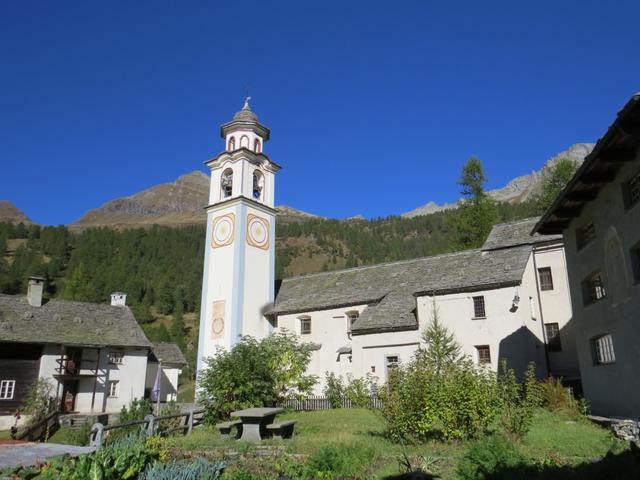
(546, 279)
(7, 389)
(593, 288)
(256, 146)
(232, 144)
(244, 142)
(351, 319)
(258, 185)
(552, 332)
(478, 307)
(603, 350)
(305, 325)
(584, 235)
(226, 183)
(484, 354)
(631, 191)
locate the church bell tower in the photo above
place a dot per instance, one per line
(239, 259)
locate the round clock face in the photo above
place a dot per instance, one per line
(223, 231)
(257, 232)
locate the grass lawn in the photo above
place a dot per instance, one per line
(5, 433)
(553, 435)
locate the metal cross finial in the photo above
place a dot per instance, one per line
(246, 103)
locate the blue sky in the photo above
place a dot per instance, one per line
(373, 106)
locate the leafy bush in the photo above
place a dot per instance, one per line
(334, 389)
(358, 391)
(255, 373)
(164, 426)
(201, 469)
(339, 460)
(138, 409)
(486, 458)
(556, 397)
(39, 401)
(519, 400)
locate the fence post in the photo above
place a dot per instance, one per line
(190, 422)
(95, 435)
(150, 419)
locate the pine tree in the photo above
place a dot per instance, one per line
(441, 348)
(554, 181)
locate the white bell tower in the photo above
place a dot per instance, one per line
(239, 260)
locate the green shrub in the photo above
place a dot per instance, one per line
(519, 400)
(138, 409)
(201, 469)
(486, 458)
(333, 389)
(165, 426)
(339, 460)
(37, 402)
(556, 397)
(358, 391)
(255, 373)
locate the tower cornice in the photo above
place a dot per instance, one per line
(235, 125)
(240, 154)
(242, 199)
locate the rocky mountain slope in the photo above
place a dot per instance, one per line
(179, 203)
(520, 188)
(10, 213)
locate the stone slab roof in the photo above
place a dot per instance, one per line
(389, 289)
(68, 322)
(170, 353)
(506, 235)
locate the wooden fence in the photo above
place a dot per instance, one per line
(41, 431)
(323, 403)
(152, 425)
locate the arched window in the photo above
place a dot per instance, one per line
(244, 141)
(256, 146)
(226, 183)
(258, 184)
(232, 144)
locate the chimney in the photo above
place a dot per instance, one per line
(118, 299)
(35, 290)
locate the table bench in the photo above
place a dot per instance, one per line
(255, 421)
(225, 428)
(282, 429)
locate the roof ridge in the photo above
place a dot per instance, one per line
(515, 222)
(384, 264)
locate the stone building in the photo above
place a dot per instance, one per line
(598, 213)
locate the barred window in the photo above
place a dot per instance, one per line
(603, 347)
(585, 234)
(7, 389)
(112, 388)
(593, 288)
(552, 332)
(484, 354)
(116, 357)
(546, 279)
(631, 191)
(478, 307)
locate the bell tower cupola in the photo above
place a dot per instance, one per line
(244, 131)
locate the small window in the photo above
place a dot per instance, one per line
(603, 349)
(546, 279)
(244, 142)
(585, 235)
(256, 146)
(635, 262)
(305, 325)
(112, 388)
(552, 332)
(392, 362)
(7, 389)
(484, 354)
(116, 357)
(593, 288)
(631, 191)
(232, 144)
(351, 319)
(226, 183)
(478, 307)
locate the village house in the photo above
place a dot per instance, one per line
(173, 362)
(95, 355)
(598, 213)
(509, 299)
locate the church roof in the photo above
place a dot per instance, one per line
(506, 235)
(69, 323)
(389, 289)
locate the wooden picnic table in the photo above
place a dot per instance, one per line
(255, 421)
